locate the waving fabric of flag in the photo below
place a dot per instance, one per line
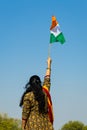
(56, 34)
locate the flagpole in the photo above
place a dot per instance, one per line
(49, 50)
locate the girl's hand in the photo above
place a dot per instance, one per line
(49, 62)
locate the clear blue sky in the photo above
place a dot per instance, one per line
(24, 41)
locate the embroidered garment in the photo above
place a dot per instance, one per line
(30, 112)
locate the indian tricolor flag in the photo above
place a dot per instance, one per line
(56, 34)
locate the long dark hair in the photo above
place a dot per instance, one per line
(35, 86)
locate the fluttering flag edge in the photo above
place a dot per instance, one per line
(60, 38)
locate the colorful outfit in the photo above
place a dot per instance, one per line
(30, 111)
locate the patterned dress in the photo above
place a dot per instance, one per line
(30, 112)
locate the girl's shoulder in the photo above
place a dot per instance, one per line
(29, 96)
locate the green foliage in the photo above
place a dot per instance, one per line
(7, 123)
(74, 125)
(84, 128)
